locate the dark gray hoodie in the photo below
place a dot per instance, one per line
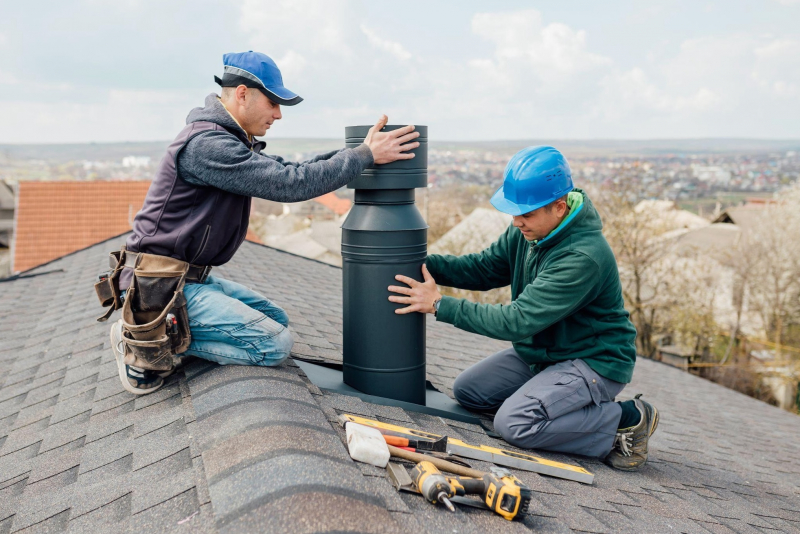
(198, 207)
(226, 160)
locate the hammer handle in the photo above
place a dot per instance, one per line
(443, 465)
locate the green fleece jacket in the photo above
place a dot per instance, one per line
(567, 297)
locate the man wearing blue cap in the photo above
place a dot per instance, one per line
(197, 212)
(573, 342)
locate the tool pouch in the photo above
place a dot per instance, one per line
(155, 324)
(107, 285)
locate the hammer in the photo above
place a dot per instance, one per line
(367, 444)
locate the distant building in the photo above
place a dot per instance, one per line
(57, 218)
(6, 227)
(136, 162)
(712, 174)
(339, 206)
(779, 375)
(477, 231)
(321, 241)
(746, 217)
(669, 216)
(311, 229)
(6, 215)
(326, 207)
(675, 356)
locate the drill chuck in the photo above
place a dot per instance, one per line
(432, 484)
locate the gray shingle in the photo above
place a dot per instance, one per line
(242, 449)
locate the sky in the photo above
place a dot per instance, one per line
(130, 70)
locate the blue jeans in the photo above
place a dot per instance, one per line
(234, 325)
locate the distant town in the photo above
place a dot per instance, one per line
(699, 178)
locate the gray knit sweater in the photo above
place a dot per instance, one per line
(228, 161)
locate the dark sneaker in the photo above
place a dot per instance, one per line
(134, 380)
(630, 444)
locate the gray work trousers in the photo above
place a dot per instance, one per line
(567, 407)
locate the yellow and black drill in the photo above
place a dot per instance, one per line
(500, 491)
(432, 484)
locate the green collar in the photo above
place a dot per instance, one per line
(574, 205)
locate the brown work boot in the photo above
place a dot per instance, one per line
(630, 444)
(134, 379)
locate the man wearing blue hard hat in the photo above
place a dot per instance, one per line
(573, 343)
(195, 217)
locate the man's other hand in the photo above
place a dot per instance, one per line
(390, 146)
(420, 296)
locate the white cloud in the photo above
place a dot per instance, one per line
(734, 85)
(629, 93)
(314, 25)
(291, 64)
(119, 115)
(536, 78)
(395, 49)
(777, 67)
(505, 74)
(555, 49)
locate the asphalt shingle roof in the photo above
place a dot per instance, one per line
(243, 449)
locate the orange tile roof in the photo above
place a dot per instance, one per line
(251, 236)
(56, 218)
(339, 206)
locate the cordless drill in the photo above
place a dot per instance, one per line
(502, 492)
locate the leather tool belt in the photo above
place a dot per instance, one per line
(195, 273)
(155, 324)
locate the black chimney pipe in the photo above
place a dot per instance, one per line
(384, 235)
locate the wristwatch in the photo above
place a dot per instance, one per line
(436, 306)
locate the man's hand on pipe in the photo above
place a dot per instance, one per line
(390, 146)
(420, 296)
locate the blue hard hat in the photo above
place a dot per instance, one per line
(535, 177)
(258, 71)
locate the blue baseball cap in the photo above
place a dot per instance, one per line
(258, 71)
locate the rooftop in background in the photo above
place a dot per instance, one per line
(245, 449)
(337, 205)
(746, 216)
(56, 218)
(6, 215)
(476, 232)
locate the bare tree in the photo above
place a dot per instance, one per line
(767, 259)
(641, 256)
